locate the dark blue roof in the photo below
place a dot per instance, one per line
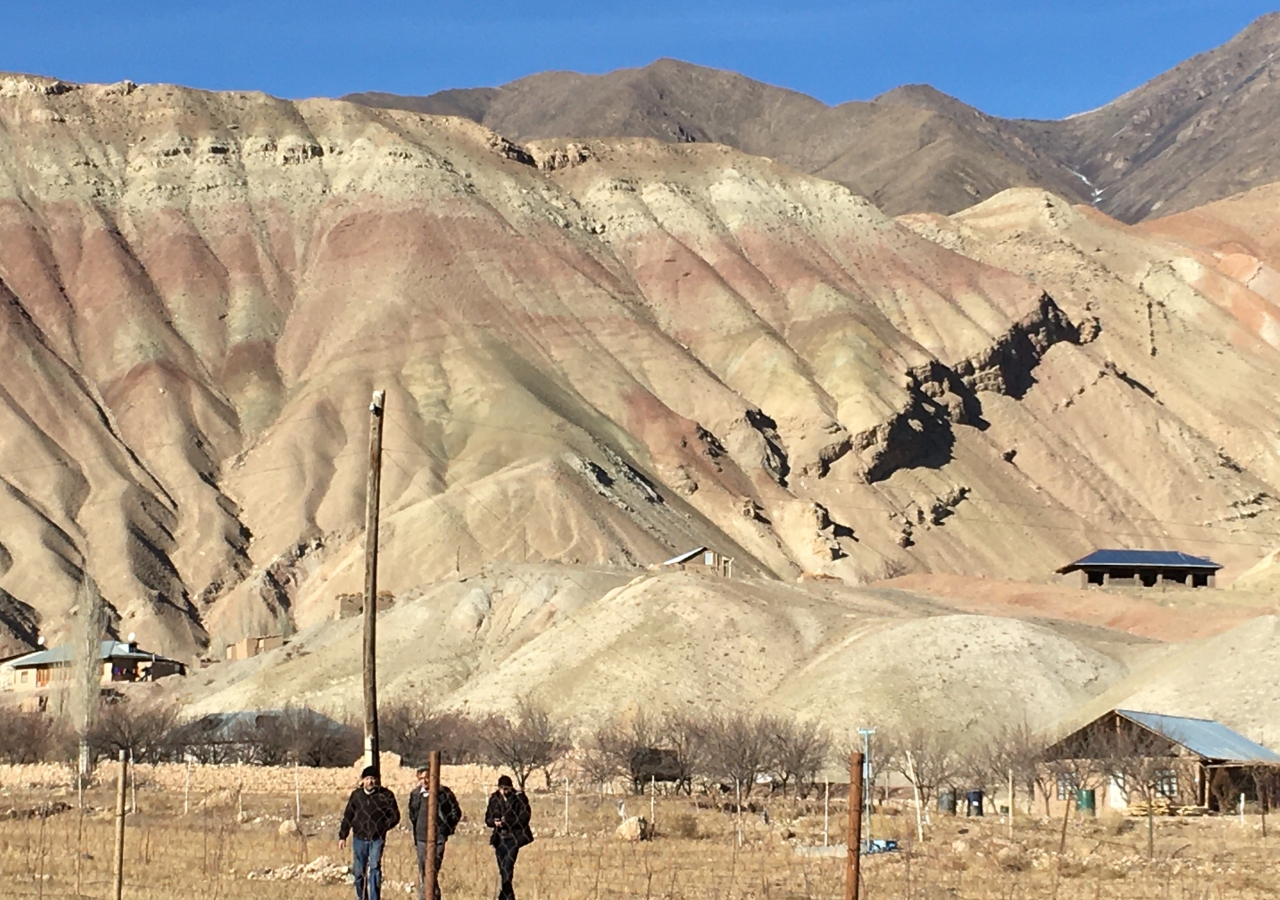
(1138, 558)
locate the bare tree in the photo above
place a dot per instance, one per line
(527, 743)
(682, 736)
(1266, 783)
(31, 737)
(145, 730)
(415, 729)
(296, 735)
(797, 750)
(1079, 762)
(924, 757)
(604, 757)
(736, 749)
(1010, 752)
(1142, 765)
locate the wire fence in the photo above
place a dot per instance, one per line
(220, 843)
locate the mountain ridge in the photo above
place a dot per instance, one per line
(1155, 149)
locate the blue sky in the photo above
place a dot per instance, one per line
(1008, 58)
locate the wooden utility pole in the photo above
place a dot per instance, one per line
(854, 838)
(120, 808)
(430, 875)
(372, 496)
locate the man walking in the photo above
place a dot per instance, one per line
(508, 815)
(371, 812)
(448, 815)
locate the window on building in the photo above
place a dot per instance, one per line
(708, 558)
(1166, 782)
(1067, 787)
(25, 673)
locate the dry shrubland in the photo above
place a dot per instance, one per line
(229, 848)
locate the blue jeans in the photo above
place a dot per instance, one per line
(367, 856)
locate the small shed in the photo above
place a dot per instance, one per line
(1142, 568)
(703, 559)
(1189, 762)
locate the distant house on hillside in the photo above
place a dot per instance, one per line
(702, 559)
(1142, 568)
(253, 646)
(121, 661)
(1174, 761)
(352, 605)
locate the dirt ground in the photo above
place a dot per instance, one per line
(235, 848)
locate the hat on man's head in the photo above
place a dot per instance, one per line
(369, 772)
(504, 781)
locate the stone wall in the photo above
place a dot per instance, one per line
(249, 779)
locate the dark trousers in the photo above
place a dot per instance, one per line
(506, 849)
(367, 856)
(422, 867)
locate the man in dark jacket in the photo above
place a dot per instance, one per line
(448, 815)
(371, 812)
(508, 815)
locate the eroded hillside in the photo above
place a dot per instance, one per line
(597, 353)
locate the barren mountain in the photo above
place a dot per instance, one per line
(597, 353)
(1200, 132)
(911, 149)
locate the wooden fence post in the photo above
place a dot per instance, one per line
(430, 875)
(854, 838)
(121, 784)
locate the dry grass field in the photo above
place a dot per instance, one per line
(229, 848)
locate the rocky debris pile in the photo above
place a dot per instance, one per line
(321, 870)
(43, 811)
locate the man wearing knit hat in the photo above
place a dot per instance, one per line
(371, 812)
(508, 815)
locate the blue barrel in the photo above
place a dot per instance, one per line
(947, 802)
(973, 803)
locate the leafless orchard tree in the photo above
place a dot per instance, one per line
(925, 758)
(797, 749)
(143, 729)
(1141, 764)
(736, 748)
(1009, 751)
(604, 754)
(1082, 762)
(414, 729)
(1266, 782)
(529, 741)
(31, 737)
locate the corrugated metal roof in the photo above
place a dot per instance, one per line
(685, 557)
(1140, 558)
(66, 653)
(1205, 737)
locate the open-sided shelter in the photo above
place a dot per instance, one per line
(1142, 568)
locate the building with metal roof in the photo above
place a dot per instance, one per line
(1196, 763)
(121, 661)
(704, 559)
(1142, 568)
